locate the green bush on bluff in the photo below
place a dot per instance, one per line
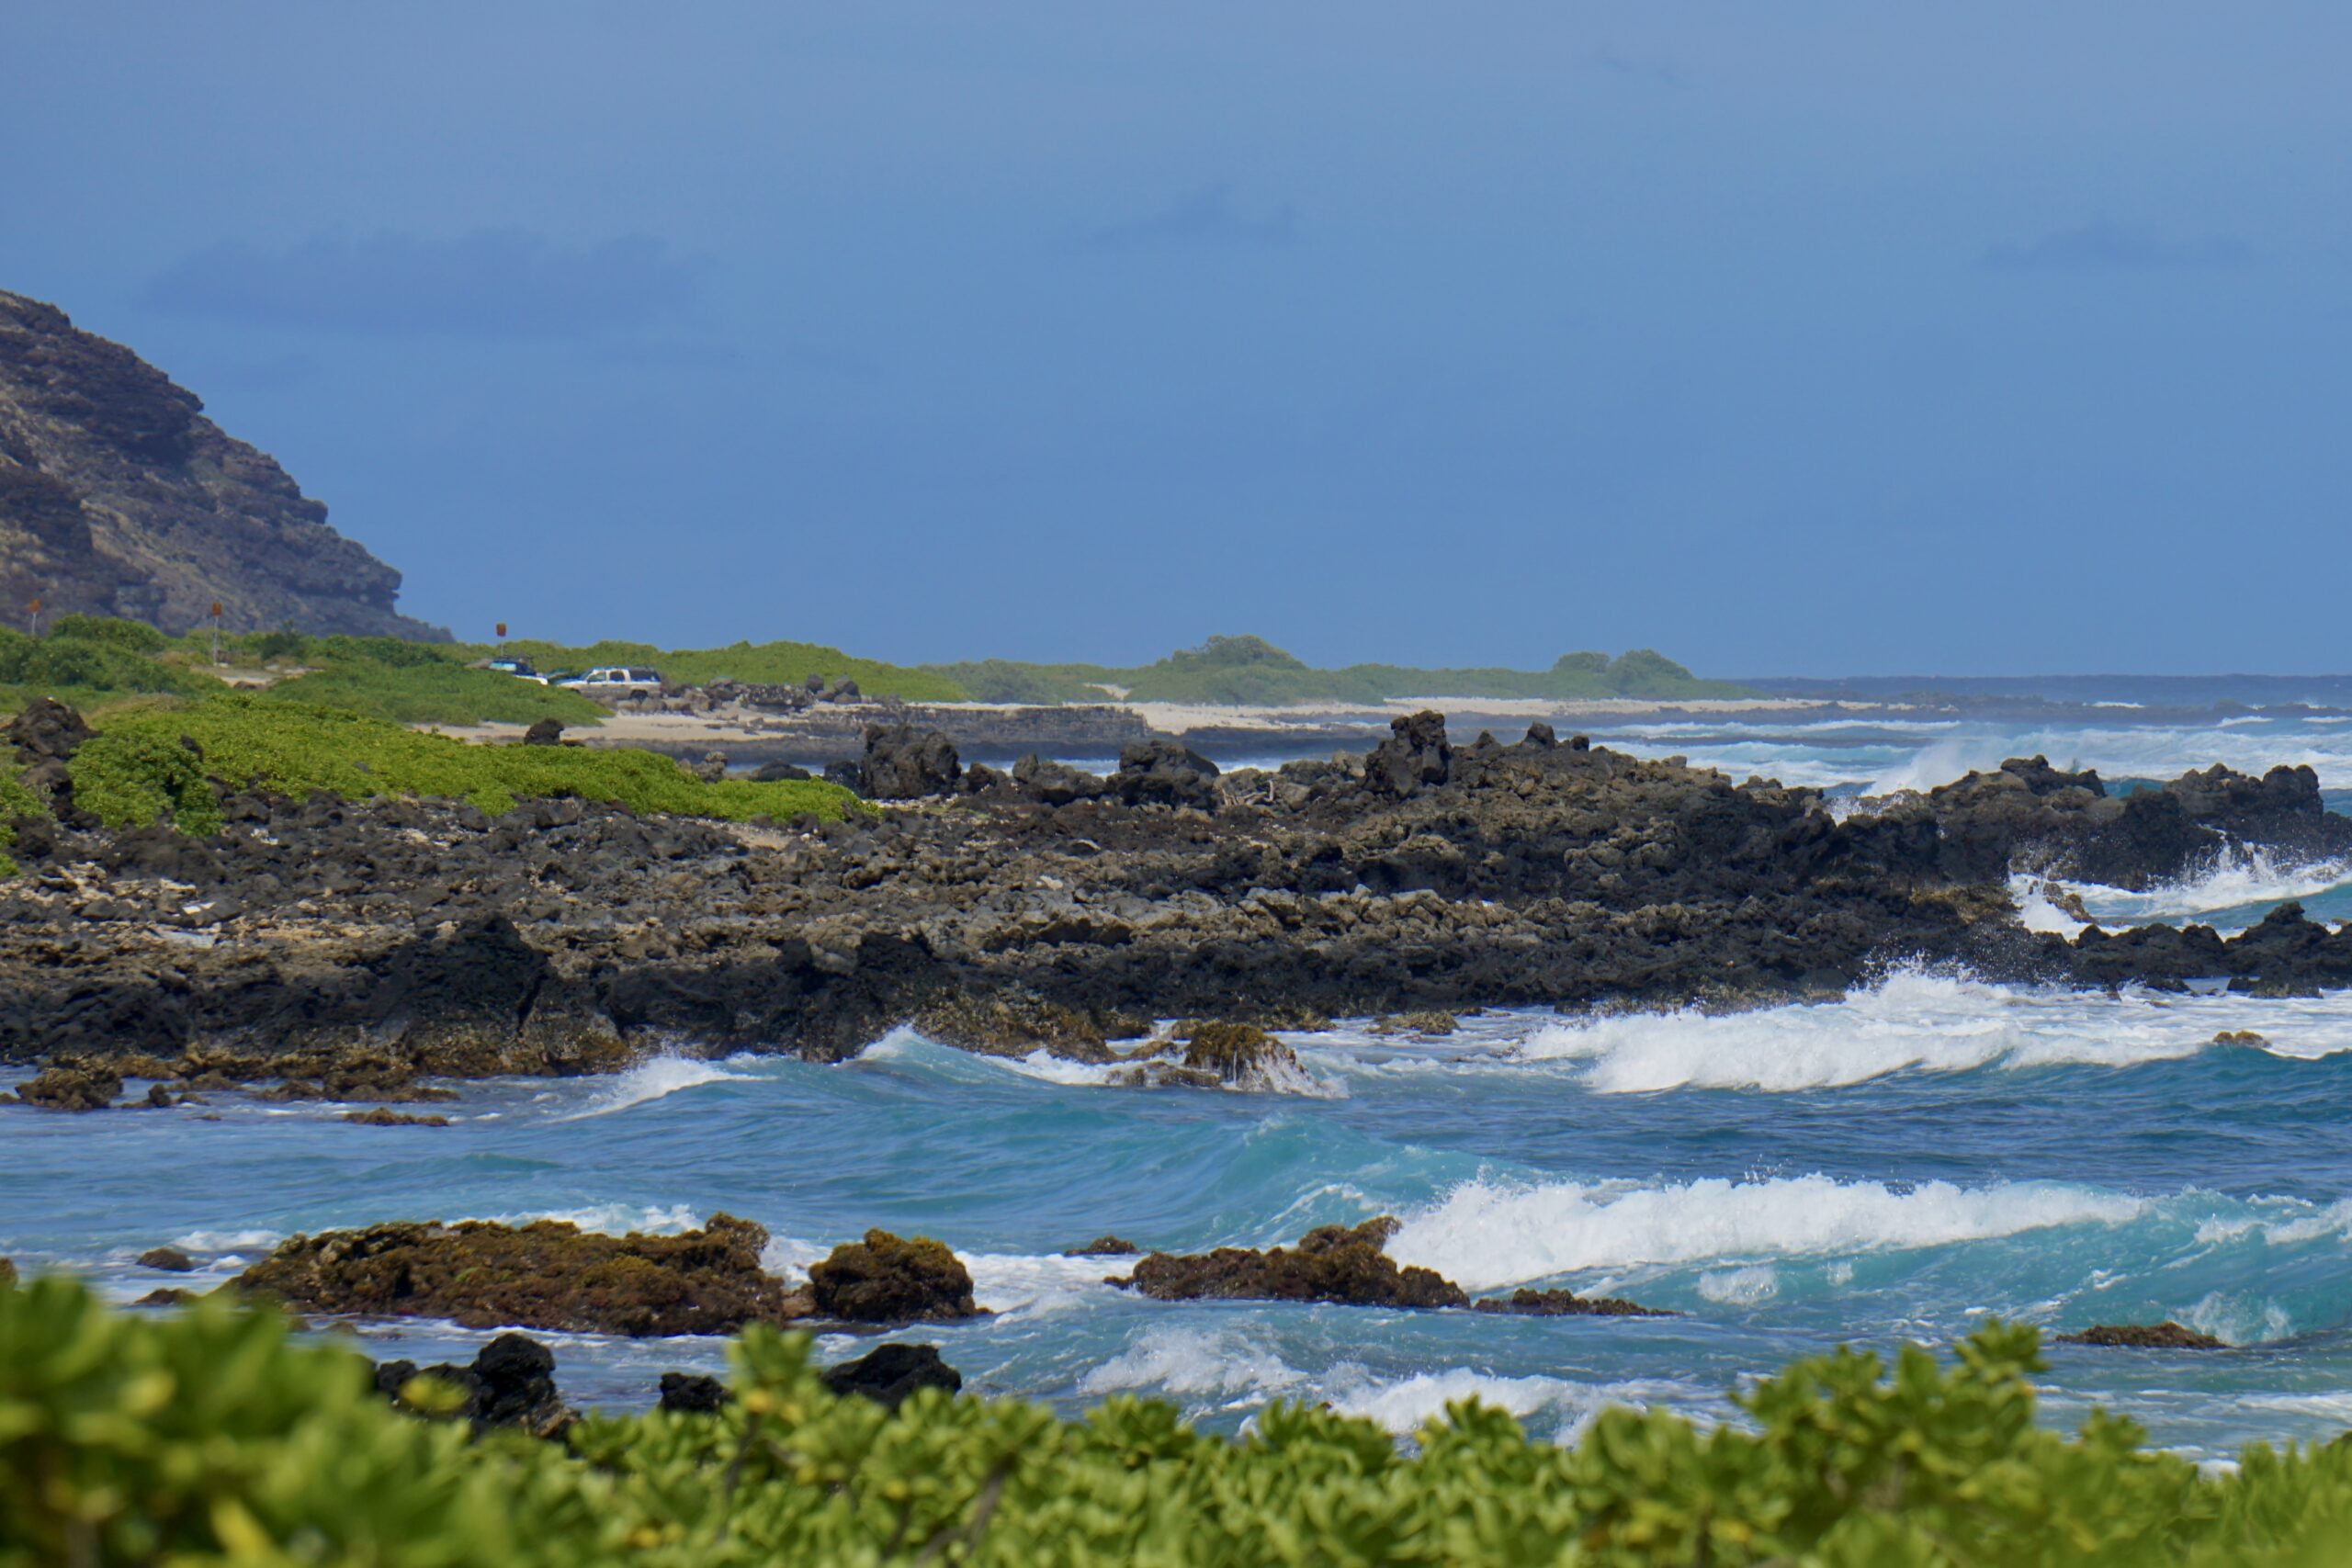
(210, 1437)
(138, 767)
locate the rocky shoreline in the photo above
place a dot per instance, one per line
(340, 950)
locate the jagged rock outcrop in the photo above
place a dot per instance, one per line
(1331, 1263)
(890, 1279)
(548, 1275)
(890, 1374)
(351, 948)
(117, 497)
(2164, 1335)
(510, 1382)
(904, 763)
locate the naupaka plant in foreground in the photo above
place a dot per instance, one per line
(214, 1435)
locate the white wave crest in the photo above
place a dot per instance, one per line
(613, 1218)
(1486, 1235)
(1201, 1362)
(227, 1241)
(1010, 1282)
(1921, 1021)
(1741, 1287)
(1403, 1408)
(653, 1081)
(2245, 874)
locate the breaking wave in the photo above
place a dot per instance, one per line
(1486, 1236)
(1921, 1021)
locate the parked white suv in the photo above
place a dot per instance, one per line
(616, 680)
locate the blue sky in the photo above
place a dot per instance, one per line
(1808, 338)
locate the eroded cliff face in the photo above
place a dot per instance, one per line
(119, 496)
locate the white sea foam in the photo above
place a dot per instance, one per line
(653, 1081)
(1920, 1021)
(1741, 1287)
(613, 1218)
(2036, 910)
(2245, 875)
(227, 1241)
(1404, 1407)
(1486, 1234)
(1222, 1363)
(1010, 1282)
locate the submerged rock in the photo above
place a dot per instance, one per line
(170, 1259)
(510, 1382)
(888, 1373)
(1239, 1057)
(2164, 1335)
(1333, 1263)
(1524, 1302)
(1105, 1247)
(383, 1116)
(548, 1275)
(885, 1279)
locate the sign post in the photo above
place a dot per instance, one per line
(36, 614)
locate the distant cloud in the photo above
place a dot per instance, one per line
(2103, 245)
(493, 283)
(1202, 220)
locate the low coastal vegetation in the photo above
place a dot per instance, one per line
(90, 662)
(146, 765)
(211, 1434)
(763, 663)
(1251, 671)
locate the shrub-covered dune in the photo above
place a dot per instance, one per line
(210, 1437)
(140, 767)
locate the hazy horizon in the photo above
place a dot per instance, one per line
(1818, 342)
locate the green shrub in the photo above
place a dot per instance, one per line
(765, 663)
(135, 768)
(433, 691)
(210, 1437)
(130, 636)
(15, 801)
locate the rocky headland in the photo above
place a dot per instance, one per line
(117, 497)
(340, 950)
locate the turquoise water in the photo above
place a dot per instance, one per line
(1888, 1167)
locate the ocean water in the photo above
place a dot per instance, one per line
(1892, 1166)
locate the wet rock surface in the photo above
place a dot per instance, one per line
(1563, 1303)
(693, 1392)
(170, 1259)
(1333, 1263)
(510, 1382)
(70, 1088)
(890, 1279)
(2164, 1335)
(548, 1275)
(347, 951)
(890, 1374)
(383, 1116)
